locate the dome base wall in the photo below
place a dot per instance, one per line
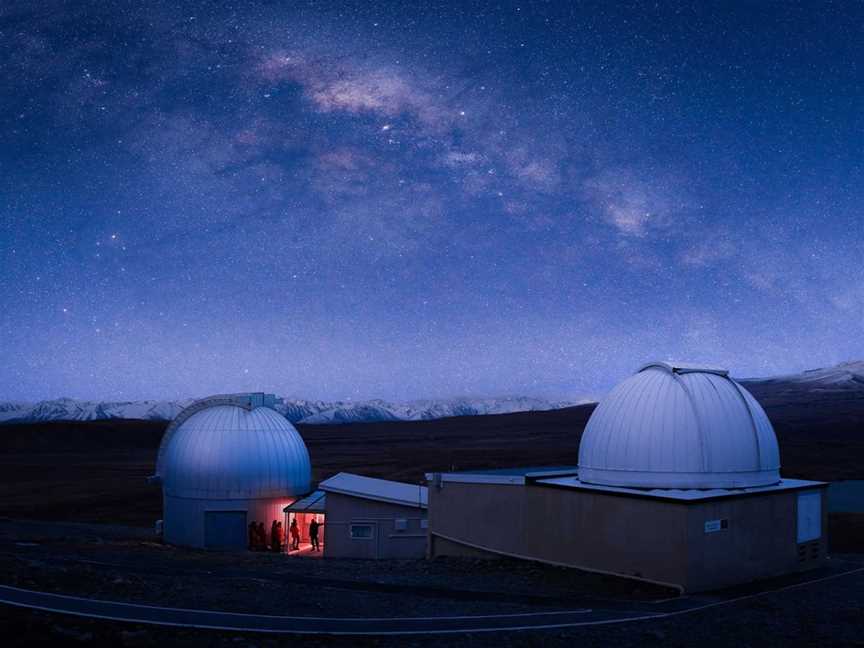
(185, 519)
(678, 480)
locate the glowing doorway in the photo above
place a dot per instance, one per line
(302, 519)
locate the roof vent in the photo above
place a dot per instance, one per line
(683, 368)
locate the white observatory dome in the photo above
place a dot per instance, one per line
(672, 426)
(226, 451)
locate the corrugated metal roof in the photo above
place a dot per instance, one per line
(315, 502)
(670, 427)
(517, 470)
(511, 476)
(376, 489)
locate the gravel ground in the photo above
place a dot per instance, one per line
(820, 614)
(121, 563)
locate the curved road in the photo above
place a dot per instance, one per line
(136, 613)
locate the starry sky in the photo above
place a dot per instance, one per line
(409, 200)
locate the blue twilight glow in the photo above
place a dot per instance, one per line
(400, 199)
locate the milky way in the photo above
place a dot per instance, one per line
(358, 200)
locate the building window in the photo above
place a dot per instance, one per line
(361, 532)
(712, 526)
(424, 523)
(400, 524)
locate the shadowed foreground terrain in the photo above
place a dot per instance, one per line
(95, 471)
(124, 564)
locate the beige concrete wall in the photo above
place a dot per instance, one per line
(387, 542)
(632, 537)
(760, 541)
(652, 539)
(484, 515)
(640, 538)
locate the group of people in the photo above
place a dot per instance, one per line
(258, 536)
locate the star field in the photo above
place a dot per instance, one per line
(360, 200)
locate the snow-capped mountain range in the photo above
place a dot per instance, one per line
(68, 409)
(296, 410)
(842, 378)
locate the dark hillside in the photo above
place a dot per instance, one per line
(406, 450)
(96, 470)
(110, 435)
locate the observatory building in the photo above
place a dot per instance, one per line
(678, 483)
(224, 462)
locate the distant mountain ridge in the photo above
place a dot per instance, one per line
(837, 382)
(828, 393)
(846, 374)
(68, 409)
(295, 410)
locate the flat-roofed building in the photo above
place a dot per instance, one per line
(374, 518)
(678, 483)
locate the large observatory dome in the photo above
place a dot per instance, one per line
(671, 426)
(226, 451)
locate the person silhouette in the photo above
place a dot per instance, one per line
(274, 537)
(313, 534)
(295, 534)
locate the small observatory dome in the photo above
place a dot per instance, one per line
(228, 452)
(226, 461)
(674, 426)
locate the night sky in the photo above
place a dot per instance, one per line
(360, 200)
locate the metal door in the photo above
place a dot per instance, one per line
(225, 530)
(809, 516)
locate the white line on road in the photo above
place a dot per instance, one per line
(409, 620)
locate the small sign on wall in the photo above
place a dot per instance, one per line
(713, 526)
